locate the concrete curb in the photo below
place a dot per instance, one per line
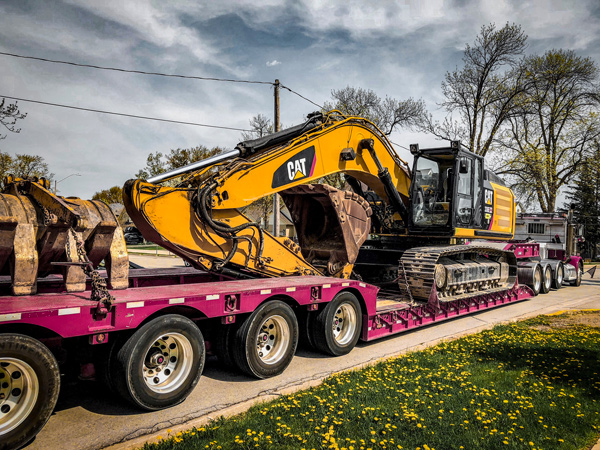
(241, 407)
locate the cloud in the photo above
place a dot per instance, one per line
(273, 63)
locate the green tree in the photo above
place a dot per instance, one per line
(584, 197)
(386, 113)
(484, 91)
(26, 166)
(554, 126)
(111, 195)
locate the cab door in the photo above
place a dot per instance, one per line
(464, 212)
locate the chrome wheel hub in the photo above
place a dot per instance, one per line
(19, 390)
(344, 324)
(272, 340)
(168, 363)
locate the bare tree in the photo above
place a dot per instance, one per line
(260, 126)
(387, 113)
(483, 93)
(555, 125)
(9, 115)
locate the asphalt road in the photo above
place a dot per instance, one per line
(90, 417)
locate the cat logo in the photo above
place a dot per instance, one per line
(298, 167)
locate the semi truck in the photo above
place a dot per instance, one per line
(376, 259)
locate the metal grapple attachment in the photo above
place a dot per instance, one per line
(41, 234)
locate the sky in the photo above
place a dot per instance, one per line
(398, 48)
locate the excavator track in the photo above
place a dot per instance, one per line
(455, 271)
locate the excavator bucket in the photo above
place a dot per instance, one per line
(41, 234)
(331, 225)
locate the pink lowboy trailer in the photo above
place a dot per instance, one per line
(150, 344)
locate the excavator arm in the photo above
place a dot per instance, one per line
(200, 219)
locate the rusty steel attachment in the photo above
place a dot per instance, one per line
(331, 225)
(39, 235)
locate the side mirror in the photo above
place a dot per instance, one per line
(463, 166)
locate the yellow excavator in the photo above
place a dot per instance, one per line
(392, 224)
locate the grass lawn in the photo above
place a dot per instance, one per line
(529, 385)
(145, 247)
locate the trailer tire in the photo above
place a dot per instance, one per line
(30, 387)
(577, 281)
(223, 344)
(536, 284)
(265, 343)
(328, 335)
(546, 279)
(305, 319)
(160, 364)
(559, 276)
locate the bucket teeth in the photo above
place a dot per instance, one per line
(38, 228)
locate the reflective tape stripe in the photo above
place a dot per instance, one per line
(362, 284)
(135, 305)
(325, 286)
(212, 297)
(345, 284)
(68, 311)
(7, 317)
(265, 291)
(175, 301)
(292, 289)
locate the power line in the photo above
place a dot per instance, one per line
(117, 69)
(123, 114)
(142, 72)
(301, 96)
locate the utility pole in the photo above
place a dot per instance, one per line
(276, 129)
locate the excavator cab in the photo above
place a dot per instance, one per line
(447, 194)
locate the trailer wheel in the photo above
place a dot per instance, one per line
(559, 276)
(160, 364)
(546, 279)
(265, 343)
(536, 284)
(29, 386)
(336, 329)
(223, 344)
(577, 281)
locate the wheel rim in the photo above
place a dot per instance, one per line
(559, 275)
(344, 324)
(537, 279)
(547, 278)
(19, 390)
(273, 339)
(168, 363)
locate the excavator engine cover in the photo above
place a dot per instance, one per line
(331, 224)
(40, 232)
